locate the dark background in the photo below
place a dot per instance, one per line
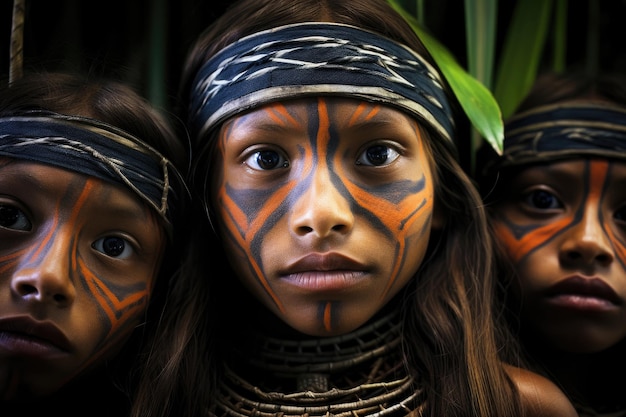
(144, 42)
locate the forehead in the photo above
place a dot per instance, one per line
(567, 171)
(48, 179)
(337, 109)
(574, 162)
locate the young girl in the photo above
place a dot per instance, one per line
(559, 210)
(359, 279)
(89, 203)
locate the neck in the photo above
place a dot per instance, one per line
(361, 370)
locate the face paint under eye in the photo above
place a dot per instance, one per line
(524, 239)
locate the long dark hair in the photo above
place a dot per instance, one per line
(450, 341)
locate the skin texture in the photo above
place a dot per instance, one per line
(78, 258)
(542, 398)
(326, 208)
(564, 227)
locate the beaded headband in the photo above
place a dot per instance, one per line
(312, 59)
(92, 148)
(561, 131)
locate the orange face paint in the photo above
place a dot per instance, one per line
(301, 171)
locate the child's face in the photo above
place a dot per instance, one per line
(564, 227)
(325, 207)
(78, 257)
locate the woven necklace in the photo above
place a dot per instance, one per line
(357, 374)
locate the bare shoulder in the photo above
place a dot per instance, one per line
(540, 396)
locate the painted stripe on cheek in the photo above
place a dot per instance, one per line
(600, 179)
(398, 206)
(247, 224)
(119, 308)
(9, 261)
(521, 241)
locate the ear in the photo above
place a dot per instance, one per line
(438, 219)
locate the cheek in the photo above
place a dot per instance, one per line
(416, 246)
(517, 245)
(529, 260)
(405, 237)
(504, 236)
(119, 306)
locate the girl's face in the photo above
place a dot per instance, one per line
(325, 207)
(564, 227)
(78, 257)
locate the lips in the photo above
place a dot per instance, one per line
(26, 330)
(324, 262)
(323, 273)
(585, 287)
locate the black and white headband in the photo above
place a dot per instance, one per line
(561, 131)
(93, 148)
(312, 59)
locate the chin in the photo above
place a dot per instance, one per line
(313, 325)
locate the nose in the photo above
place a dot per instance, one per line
(43, 274)
(586, 243)
(321, 209)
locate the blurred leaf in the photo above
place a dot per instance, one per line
(480, 35)
(157, 42)
(476, 100)
(480, 41)
(521, 53)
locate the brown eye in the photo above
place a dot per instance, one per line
(542, 199)
(377, 155)
(266, 160)
(113, 246)
(12, 217)
(620, 214)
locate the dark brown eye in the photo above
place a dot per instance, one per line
(12, 217)
(113, 246)
(542, 199)
(377, 155)
(620, 214)
(267, 160)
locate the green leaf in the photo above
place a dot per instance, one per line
(476, 100)
(480, 35)
(521, 53)
(480, 41)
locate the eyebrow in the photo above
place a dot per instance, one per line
(132, 208)
(128, 206)
(9, 166)
(372, 123)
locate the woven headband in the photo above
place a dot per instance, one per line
(92, 148)
(562, 131)
(313, 59)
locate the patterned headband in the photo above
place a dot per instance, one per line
(312, 59)
(92, 148)
(561, 131)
